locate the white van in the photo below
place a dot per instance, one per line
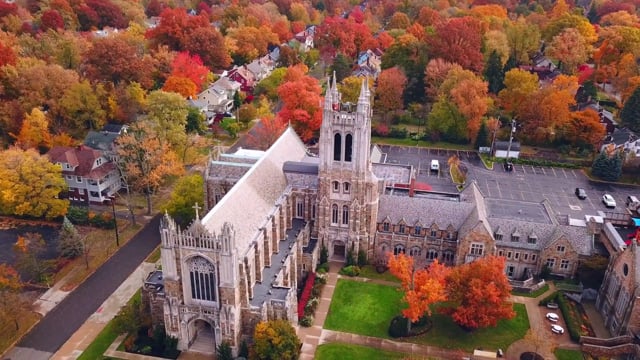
(435, 165)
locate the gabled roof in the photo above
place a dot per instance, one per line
(82, 158)
(114, 128)
(504, 145)
(424, 210)
(103, 141)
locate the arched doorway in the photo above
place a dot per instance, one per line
(202, 337)
(339, 250)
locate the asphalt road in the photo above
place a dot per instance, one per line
(59, 324)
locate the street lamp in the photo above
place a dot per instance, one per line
(115, 220)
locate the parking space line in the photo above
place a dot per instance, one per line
(543, 172)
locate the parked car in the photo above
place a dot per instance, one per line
(608, 201)
(553, 317)
(508, 165)
(581, 194)
(557, 329)
(552, 305)
(435, 165)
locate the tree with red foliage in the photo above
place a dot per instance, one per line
(175, 27)
(8, 9)
(87, 17)
(459, 41)
(7, 55)
(266, 132)
(190, 67)
(300, 96)
(478, 293)
(154, 8)
(332, 37)
(115, 60)
(51, 19)
(108, 13)
(208, 43)
(609, 7)
(422, 287)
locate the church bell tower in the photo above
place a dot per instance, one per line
(348, 190)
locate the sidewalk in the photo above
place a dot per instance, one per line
(85, 335)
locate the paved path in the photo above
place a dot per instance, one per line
(64, 319)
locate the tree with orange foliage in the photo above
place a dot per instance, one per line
(181, 85)
(391, 85)
(458, 41)
(266, 132)
(10, 299)
(191, 67)
(584, 128)
(34, 132)
(300, 96)
(422, 287)
(478, 293)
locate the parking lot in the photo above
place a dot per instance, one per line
(524, 183)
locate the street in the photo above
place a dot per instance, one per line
(59, 324)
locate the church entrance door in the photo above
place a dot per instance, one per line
(203, 340)
(339, 248)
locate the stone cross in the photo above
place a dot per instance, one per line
(196, 208)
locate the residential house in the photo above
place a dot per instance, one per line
(259, 68)
(105, 139)
(219, 96)
(304, 39)
(90, 175)
(244, 77)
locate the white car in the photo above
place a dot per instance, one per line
(557, 329)
(608, 201)
(553, 317)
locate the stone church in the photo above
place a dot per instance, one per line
(269, 212)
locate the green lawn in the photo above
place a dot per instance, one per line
(562, 354)
(102, 342)
(367, 309)
(420, 143)
(363, 308)
(339, 351)
(446, 334)
(370, 272)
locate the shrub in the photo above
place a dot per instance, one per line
(351, 270)
(549, 299)
(398, 133)
(381, 130)
(573, 325)
(306, 294)
(362, 258)
(323, 268)
(351, 259)
(306, 321)
(398, 327)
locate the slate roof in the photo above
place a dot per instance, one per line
(300, 167)
(103, 141)
(504, 145)
(256, 193)
(424, 210)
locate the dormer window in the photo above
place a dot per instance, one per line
(401, 228)
(434, 233)
(417, 230)
(385, 226)
(498, 236)
(532, 239)
(515, 237)
(98, 161)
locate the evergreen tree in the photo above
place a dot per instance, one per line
(510, 64)
(494, 73)
(630, 114)
(223, 351)
(341, 66)
(600, 165)
(70, 243)
(606, 167)
(195, 121)
(483, 136)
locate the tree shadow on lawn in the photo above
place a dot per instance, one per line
(368, 308)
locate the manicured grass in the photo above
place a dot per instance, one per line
(533, 294)
(363, 308)
(339, 351)
(154, 256)
(102, 342)
(562, 354)
(446, 334)
(370, 272)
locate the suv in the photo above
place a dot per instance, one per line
(581, 194)
(508, 165)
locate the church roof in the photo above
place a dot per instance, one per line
(254, 196)
(424, 210)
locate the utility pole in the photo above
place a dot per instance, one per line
(115, 221)
(513, 131)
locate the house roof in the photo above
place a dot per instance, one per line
(621, 136)
(504, 145)
(82, 158)
(114, 128)
(102, 141)
(261, 187)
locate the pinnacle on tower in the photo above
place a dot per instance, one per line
(364, 91)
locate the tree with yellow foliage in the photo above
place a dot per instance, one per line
(30, 185)
(34, 132)
(275, 339)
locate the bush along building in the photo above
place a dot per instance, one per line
(268, 214)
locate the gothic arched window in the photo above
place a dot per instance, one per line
(202, 277)
(348, 147)
(337, 147)
(334, 214)
(345, 214)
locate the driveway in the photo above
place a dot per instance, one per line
(60, 323)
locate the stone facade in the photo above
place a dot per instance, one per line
(269, 213)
